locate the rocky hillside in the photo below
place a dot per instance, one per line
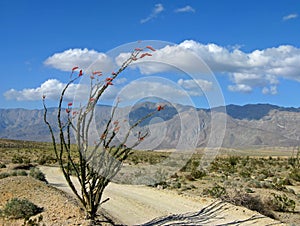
(253, 125)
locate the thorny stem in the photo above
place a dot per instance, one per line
(92, 180)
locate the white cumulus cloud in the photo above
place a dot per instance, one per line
(82, 58)
(51, 88)
(159, 8)
(195, 87)
(247, 70)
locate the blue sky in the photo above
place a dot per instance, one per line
(252, 47)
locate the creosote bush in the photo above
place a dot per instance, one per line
(251, 202)
(216, 191)
(282, 203)
(37, 174)
(2, 165)
(20, 208)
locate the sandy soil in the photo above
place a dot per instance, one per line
(59, 208)
(132, 204)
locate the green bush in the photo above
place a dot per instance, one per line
(198, 174)
(282, 203)
(217, 191)
(233, 160)
(295, 174)
(21, 173)
(4, 175)
(46, 159)
(16, 159)
(2, 165)
(37, 174)
(20, 208)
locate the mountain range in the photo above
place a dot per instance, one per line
(252, 125)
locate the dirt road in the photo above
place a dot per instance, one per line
(133, 205)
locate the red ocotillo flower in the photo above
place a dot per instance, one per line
(68, 110)
(138, 49)
(75, 68)
(80, 73)
(159, 108)
(117, 129)
(70, 104)
(114, 73)
(151, 48)
(92, 77)
(103, 136)
(109, 83)
(97, 73)
(145, 54)
(108, 79)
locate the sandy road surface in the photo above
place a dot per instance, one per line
(132, 204)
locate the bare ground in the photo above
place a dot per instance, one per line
(133, 205)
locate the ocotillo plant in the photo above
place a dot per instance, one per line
(94, 165)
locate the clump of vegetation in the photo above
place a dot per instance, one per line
(295, 174)
(46, 159)
(18, 159)
(282, 203)
(37, 174)
(20, 208)
(251, 202)
(4, 175)
(13, 174)
(216, 191)
(2, 165)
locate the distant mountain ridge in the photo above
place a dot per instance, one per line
(254, 111)
(251, 125)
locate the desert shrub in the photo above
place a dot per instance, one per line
(293, 161)
(176, 185)
(46, 159)
(282, 203)
(4, 175)
(191, 164)
(198, 174)
(255, 184)
(14, 173)
(251, 202)
(16, 159)
(233, 160)
(217, 191)
(245, 173)
(2, 165)
(20, 208)
(37, 174)
(26, 160)
(295, 174)
(279, 184)
(245, 161)
(21, 173)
